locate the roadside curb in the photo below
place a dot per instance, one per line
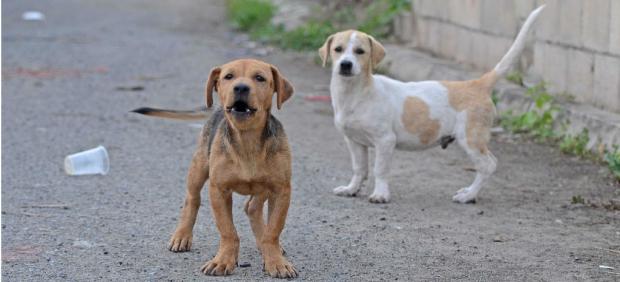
(412, 65)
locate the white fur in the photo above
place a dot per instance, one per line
(368, 114)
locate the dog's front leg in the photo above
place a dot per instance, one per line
(275, 263)
(384, 148)
(225, 260)
(181, 240)
(359, 159)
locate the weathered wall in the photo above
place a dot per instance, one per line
(575, 45)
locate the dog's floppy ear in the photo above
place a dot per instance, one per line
(212, 84)
(281, 86)
(324, 50)
(377, 52)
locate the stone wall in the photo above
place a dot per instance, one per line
(574, 46)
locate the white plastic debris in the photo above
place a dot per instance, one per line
(33, 16)
(605, 267)
(93, 161)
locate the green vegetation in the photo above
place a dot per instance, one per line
(576, 145)
(538, 122)
(379, 15)
(250, 15)
(516, 77)
(577, 200)
(254, 17)
(613, 162)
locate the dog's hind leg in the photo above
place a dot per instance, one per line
(359, 159)
(473, 137)
(181, 240)
(254, 210)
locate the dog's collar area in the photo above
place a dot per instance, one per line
(240, 107)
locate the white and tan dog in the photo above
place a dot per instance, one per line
(376, 111)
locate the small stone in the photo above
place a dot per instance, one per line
(82, 244)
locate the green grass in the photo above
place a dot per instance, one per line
(612, 159)
(254, 17)
(516, 77)
(250, 15)
(309, 36)
(576, 145)
(379, 16)
(538, 122)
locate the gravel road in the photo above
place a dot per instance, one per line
(67, 86)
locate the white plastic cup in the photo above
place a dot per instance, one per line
(93, 161)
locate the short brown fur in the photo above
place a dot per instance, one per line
(417, 120)
(242, 158)
(474, 97)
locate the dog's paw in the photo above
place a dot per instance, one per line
(346, 191)
(464, 196)
(181, 241)
(219, 266)
(379, 198)
(280, 268)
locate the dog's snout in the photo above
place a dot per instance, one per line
(241, 89)
(346, 65)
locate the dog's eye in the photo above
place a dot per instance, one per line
(338, 49)
(228, 76)
(259, 78)
(359, 51)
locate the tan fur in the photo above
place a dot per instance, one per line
(416, 119)
(474, 97)
(242, 161)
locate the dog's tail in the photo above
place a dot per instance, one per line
(517, 47)
(200, 113)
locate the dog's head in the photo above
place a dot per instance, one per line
(352, 53)
(245, 88)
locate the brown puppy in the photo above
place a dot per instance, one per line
(242, 149)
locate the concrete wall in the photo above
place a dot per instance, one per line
(575, 45)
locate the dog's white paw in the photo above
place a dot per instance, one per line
(346, 191)
(379, 198)
(464, 196)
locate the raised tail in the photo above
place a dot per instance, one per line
(200, 113)
(517, 47)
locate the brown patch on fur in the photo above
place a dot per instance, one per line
(474, 97)
(417, 120)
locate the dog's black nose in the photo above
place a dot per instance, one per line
(346, 65)
(241, 89)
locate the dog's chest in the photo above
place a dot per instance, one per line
(354, 126)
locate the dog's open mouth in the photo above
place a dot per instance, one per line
(240, 108)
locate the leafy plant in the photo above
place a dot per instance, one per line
(576, 145)
(309, 36)
(612, 159)
(577, 199)
(494, 97)
(516, 77)
(254, 16)
(380, 14)
(537, 122)
(249, 15)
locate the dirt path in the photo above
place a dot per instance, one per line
(59, 96)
